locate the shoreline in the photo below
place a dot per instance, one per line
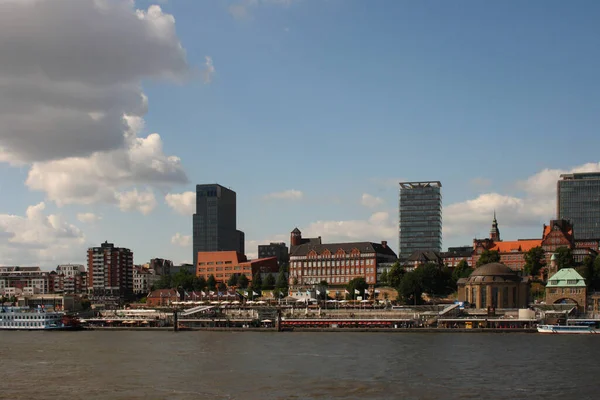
(325, 330)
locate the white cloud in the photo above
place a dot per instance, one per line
(181, 240)
(209, 69)
(37, 238)
(291, 194)
(380, 226)
(371, 201)
(133, 200)
(77, 123)
(183, 203)
(88, 218)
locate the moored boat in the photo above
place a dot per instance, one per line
(25, 318)
(567, 329)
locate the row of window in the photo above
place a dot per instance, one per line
(334, 280)
(331, 271)
(215, 262)
(334, 263)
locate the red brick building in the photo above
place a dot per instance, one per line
(162, 298)
(223, 264)
(336, 263)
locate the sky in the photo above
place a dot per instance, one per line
(311, 110)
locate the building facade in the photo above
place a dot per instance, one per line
(567, 286)
(214, 223)
(578, 200)
(71, 279)
(110, 273)
(420, 217)
(278, 249)
(31, 280)
(223, 264)
(337, 263)
(143, 279)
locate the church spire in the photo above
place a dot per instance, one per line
(495, 232)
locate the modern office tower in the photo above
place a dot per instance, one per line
(578, 200)
(420, 217)
(214, 223)
(110, 272)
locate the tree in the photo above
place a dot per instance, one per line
(488, 256)
(211, 282)
(564, 257)
(322, 288)
(395, 275)
(282, 282)
(269, 282)
(357, 284)
(383, 278)
(243, 281)
(256, 285)
(233, 280)
(199, 283)
(596, 276)
(435, 280)
(588, 271)
(221, 287)
(410, 290)
(163, 283)
(535, 259)
(462, 270)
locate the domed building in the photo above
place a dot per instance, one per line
(494, 285)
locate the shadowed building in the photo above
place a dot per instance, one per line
(494, 285)
(214, 223)
(420, 218)
(578, 200)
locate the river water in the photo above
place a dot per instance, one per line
(294, 365)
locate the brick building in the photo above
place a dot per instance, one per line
(110, 273)
(336, 263)
(223, 264)
(567, 286)
(70, 279)
(162, 298)
(17, 280)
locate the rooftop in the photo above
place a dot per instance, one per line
(566, 277)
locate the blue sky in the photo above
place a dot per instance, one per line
(312, 111)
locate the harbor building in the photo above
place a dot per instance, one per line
(223, 264)
(110, 273)
(336, 263)
(578, 200)
(565, 285)
(214, 223)
(420, 218)
(494, 285)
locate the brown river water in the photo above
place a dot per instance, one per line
(294, 365)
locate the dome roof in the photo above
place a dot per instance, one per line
(493, 272)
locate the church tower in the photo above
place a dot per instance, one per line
(495, 232)
(295, 237)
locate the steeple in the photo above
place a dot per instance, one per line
(495, 232)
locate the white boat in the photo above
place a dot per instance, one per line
(25, 318)
(567, 329)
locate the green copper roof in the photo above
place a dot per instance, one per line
(566, 277)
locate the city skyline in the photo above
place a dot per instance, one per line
(279, 101)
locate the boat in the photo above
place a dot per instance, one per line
(33, 319)
(567, 329)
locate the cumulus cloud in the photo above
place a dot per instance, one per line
(291, 194)
(182, 203)
(209, 69)
(88, 218)
(379, 226)
(133, 200)
(37, 238)
(181, 240)
(371, 201)
(71, 103)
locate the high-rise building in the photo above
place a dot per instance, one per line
(110, 273)
(578, 200)
(420, 217)
(214, 223)
(274, 249)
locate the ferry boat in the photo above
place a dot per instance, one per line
(25, 318)
(567, 329)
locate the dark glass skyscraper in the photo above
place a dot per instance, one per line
(214, 223)
(578, 200)
(420, 217)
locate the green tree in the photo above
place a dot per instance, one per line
(395, 275)
(535, 259)
(269, 282)
(435, 280)
(282, 282)
(383, 278)
(357, 284)
(410, 290)
(164, 282)
(199, 284)
(564, 257)
(462, 270)
(86, 304)
(211, 282)
(221, 287)
(322, 288)
(596, 275)
(588, 271)
(233, 280)
(243, 281)
(488, 256)
(256, 285)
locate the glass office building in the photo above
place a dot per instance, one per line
(578, 198)
(420, 217)
(214, 223)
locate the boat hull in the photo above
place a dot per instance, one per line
(567, 330)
